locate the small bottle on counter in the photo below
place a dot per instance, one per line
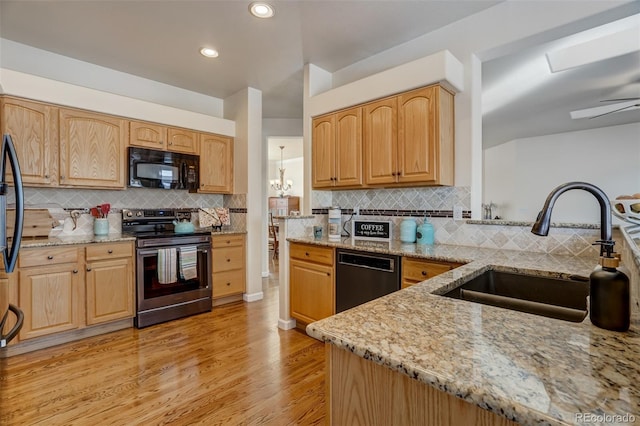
(408, 228)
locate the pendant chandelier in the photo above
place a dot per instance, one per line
(281, 185)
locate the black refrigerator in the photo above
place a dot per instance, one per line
(10, 249)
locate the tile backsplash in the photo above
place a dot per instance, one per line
(59, 199)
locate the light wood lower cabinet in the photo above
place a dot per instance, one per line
(417, 270)
(360, 391)
(228, 265)
(72, 287)
(311, 282)
(50, 291)
(109, 282)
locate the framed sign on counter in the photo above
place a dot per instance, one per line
(371, 230)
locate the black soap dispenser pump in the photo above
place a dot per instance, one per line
(609, 295)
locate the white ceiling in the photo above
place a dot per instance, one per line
(160, 40)
(522, 98)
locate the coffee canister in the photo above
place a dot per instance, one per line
(335, 219)
(408, 230)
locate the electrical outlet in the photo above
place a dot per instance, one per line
(457, 212)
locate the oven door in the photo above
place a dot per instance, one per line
(151, 294)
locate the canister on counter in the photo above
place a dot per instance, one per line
(335, 219)
(408, 230)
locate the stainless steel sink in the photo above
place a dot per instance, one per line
(564, 299)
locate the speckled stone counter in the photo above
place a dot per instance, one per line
(527, 368)
(61, 240)
(66, 239)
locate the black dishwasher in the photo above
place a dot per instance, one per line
(361, 277)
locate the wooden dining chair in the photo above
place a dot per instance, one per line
(273, 237)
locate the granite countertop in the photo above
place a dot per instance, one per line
(66, 239)
(61, 240)
(530, 369)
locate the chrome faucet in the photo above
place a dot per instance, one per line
(541, 226)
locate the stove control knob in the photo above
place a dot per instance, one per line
(129, 214)
(138, 214)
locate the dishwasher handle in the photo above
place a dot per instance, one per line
(379, 263)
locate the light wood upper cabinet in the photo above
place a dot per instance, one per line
(33, 126)
(401, 140)
(92, 149)
(425, 136)
(337, 149)
(216, 164)
(380, 142)
(156, 136)
(182, 140)
(147, 135)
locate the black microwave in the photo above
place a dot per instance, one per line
(149, 168)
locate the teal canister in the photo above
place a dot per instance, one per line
(408, 228)
(425, 233)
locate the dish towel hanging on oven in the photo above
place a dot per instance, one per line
(188, 262)
(167, 266)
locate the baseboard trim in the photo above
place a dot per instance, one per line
(286, 324)
(253, 297)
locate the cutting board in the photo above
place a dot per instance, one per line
(37, 222)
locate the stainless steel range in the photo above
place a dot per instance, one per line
(173, 270)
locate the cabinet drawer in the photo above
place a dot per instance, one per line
(228, 283)
(312, 253)
(227, 259)
(47, 256)
(218, 241)
(101, 251)
(420, 270)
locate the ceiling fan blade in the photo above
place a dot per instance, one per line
(619, 100)
(616, 110)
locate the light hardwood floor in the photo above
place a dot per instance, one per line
(232, 366)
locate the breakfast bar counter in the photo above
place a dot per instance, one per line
(522, 367)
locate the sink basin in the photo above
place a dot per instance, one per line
(564, 299)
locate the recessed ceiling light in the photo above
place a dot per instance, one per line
(209, 52)
(261, 10)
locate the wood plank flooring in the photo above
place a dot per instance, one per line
(232, 366)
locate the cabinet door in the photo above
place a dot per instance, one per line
(311, 291)
(417, 136)
(380, 140)
(109, 290)
(348, 148)
(92, 149)
(49, 297)
(182, 140)
(323, 154)
(216, 164)
(147, 135)
(33, 128)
